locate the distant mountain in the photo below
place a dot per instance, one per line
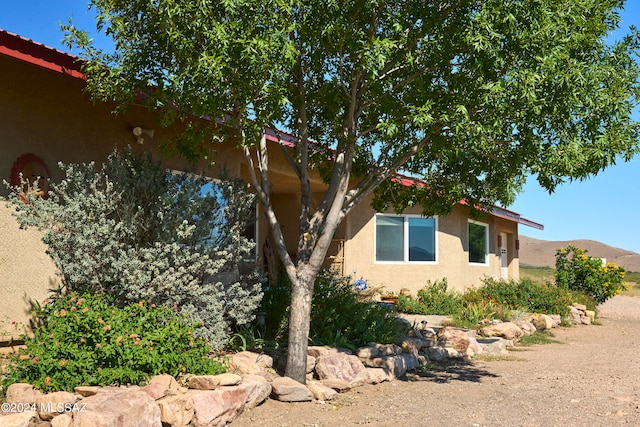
(542, 253)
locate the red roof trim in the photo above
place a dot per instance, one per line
(26, 50)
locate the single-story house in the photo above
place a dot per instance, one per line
(47, 117)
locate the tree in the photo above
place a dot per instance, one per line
(469, 96)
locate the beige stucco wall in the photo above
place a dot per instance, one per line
(26, 273)
(451, 259)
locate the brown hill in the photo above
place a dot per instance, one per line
(541, 253)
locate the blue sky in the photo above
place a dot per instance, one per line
(603, 208)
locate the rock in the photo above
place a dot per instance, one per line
(411, 346)
(18, 419)
(591, 315)
(281, 363)
(217, 407)
(474, 348)
(378, 375)
(527, 327)
(393, 365)
(507, 330)
(585, 320)
(161, 385)
(339, 385)
(51, 404)
(367, 352)
(389, 349)
(288, 390)
(542, 322)
(580, 307)
(317, 351)
(176, 410)
(86, 391)
(342, 366)
(453, 338)
(211, 382)
(576, 315)
(22, 393)
(62, 420)
(495, 345)
(248, 362)
(321, 391)
(557, 319)
(118, 407)
(437, 354)
(258, 390)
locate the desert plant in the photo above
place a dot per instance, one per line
(136, 232)
(525, 295)
(579, 272)
(339, 316)
(87, 339)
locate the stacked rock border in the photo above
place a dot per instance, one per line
(215, 400)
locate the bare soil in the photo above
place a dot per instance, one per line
(590, 378)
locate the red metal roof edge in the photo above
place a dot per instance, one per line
(27, 50)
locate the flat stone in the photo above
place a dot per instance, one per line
(18, 419)
(161, 385)
(289, 390)
(339, 385)
(115, 406)
(51, 404)
(507, 330)
(378, 375)
(86, 391)
(321, 391)
(22, 393)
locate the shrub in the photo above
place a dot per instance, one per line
(579, 272)
(137, 232)
(524, 295)
(86, 339)
(432, 299)
(338, 316)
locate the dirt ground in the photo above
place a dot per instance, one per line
(590, 378)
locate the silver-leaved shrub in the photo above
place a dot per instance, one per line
(135, 231)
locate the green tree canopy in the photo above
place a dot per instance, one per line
(470, 96)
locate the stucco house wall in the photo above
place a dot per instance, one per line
(452, 257)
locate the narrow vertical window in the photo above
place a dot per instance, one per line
(478, 243)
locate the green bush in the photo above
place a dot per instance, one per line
(578, 272)
(524, 295)
(339, 317)
(137, 232)
(432, 299)
(86, 339)
(469, 315)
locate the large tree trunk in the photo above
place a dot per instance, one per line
(299, 324)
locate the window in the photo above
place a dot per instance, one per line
(478, 243)
(405, 238)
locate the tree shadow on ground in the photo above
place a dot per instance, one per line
(463, 372)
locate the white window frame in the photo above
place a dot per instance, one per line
(405, 249)
(486, 243)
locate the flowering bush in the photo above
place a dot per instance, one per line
(577, 271)
(85, 339)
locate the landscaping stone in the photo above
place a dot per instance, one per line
(507, 330)
(258, 389)
(321, 391)
(114, 406)
(211, 382)
(453, 338)
(542, 322)
(22, 393)
(217, 407)
(248, 362)
(342, 366)
(288, 390)
(338, 385)
(18, 419)
(52, 404)
(161, 385)
(378, 375)
(62, 420)
(527, 327)
(176, 410)
(495, 345)
(86, 391)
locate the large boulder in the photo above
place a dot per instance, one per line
(457, 339)
(217, 407)
(114, 406)
(506, 330)
(342, 366)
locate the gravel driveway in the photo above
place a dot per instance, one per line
(590, 378)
